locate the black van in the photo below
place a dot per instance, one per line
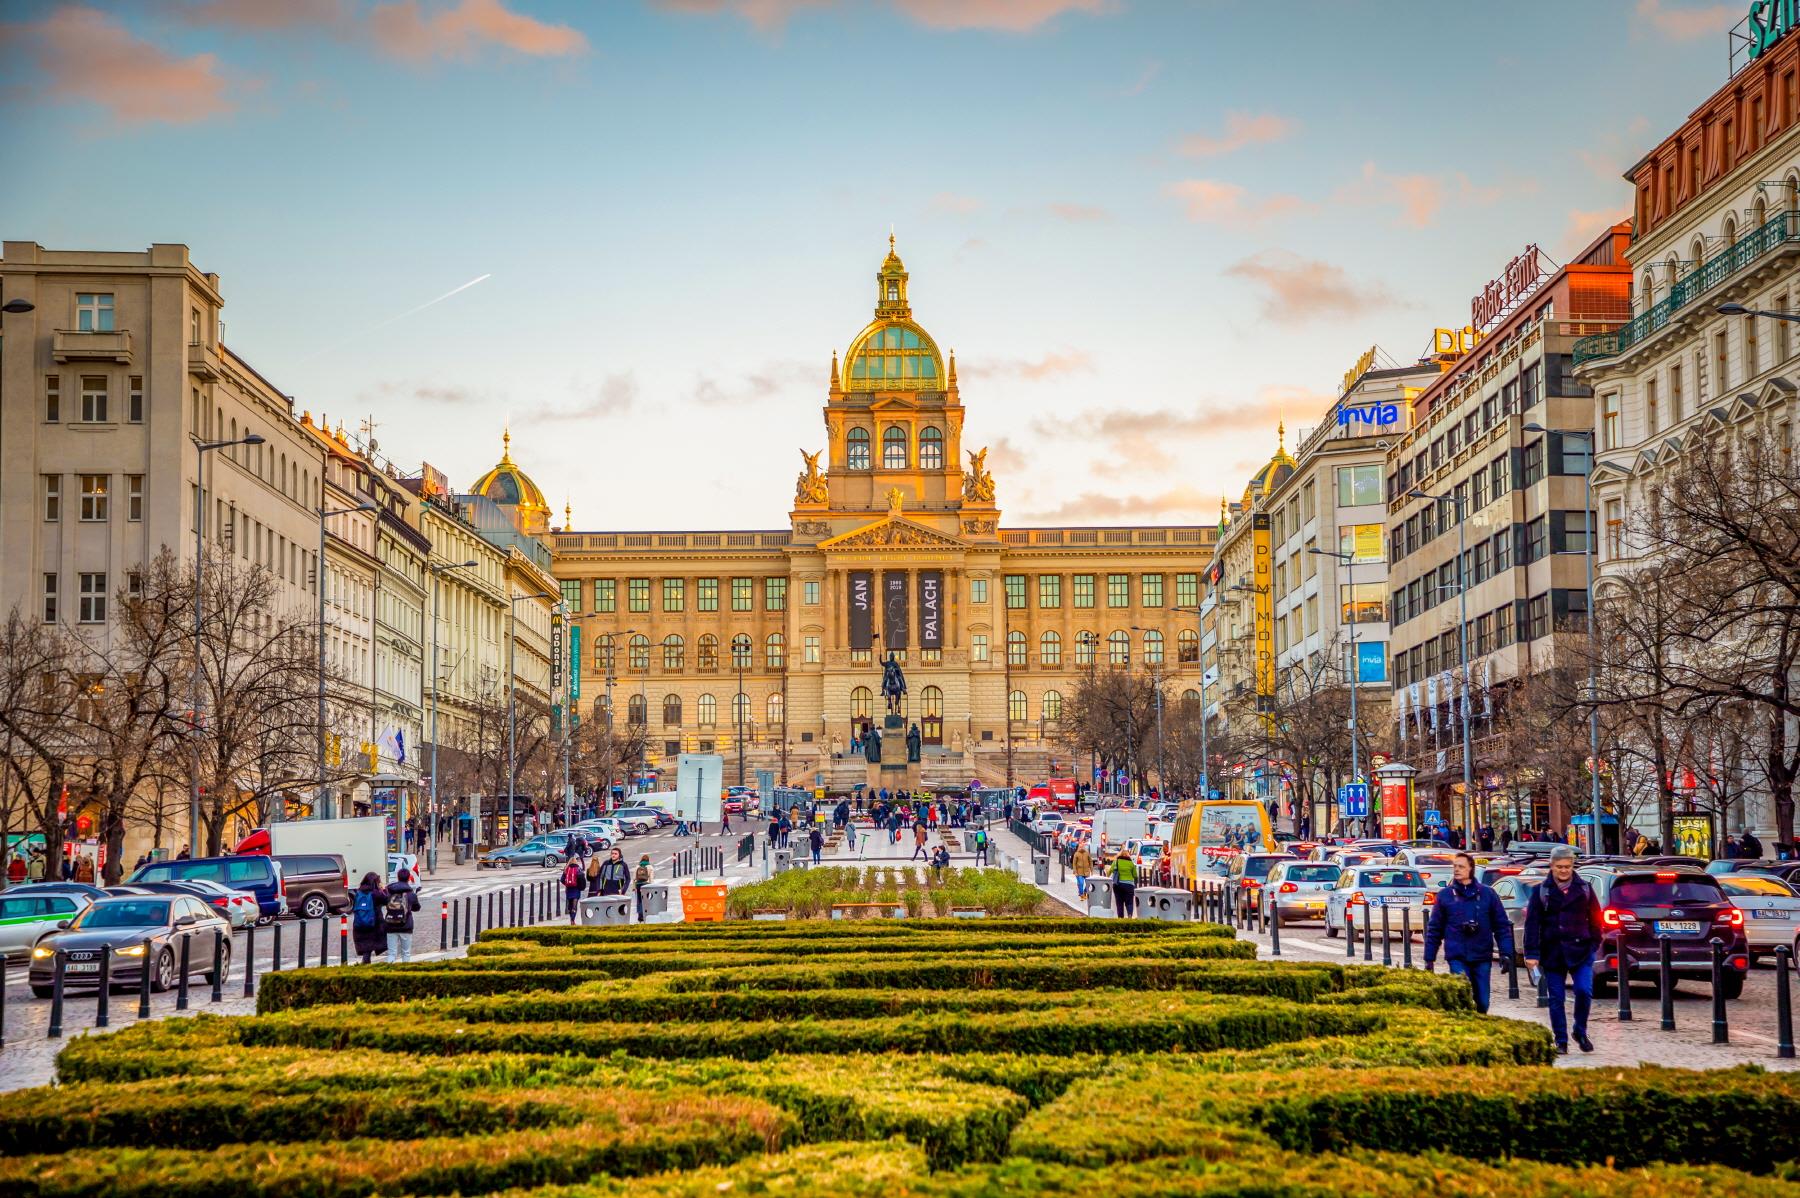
(258, 876)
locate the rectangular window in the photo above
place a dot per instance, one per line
(1784, 341)
(1050, 590)
(93, 599)
(1503, 549)
(1675, 394)
(1577, 456)
(606, 595)
(638, 595)
(1308, 506)
(775, 594)
(1615, 527)
(134, 399)
(52, 398)
(1187, 590)
(1361, 603)
(93, 497)
(1015, 591)
(1498, 479)
(571, 594)
(978, 588)
(1358, 485)
(93, 312)
(811, 647)
(1531, 463)
(1081, 588)
(1537, 618)
(743, 592)
(1151, 588)
(1531, 386)
(1651, 424)
(1721, 365)
(1118, 590)
(52, 497)
(1537, 539)
(1015, 649)
(1752, 349)
(1575, 533)
(810, 590)
(674, 591)
(706, 594)
(978, 647)
(50, 596)
(93, 398)
(134, 583)
(134, 498)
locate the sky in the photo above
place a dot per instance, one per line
(635, 230)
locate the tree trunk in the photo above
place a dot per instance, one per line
(112, 835)
(1781, 771)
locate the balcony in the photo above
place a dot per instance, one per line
(1779, 232)
(72, 345)
(203, 362)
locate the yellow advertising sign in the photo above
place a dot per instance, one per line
(1355, 372)
(1264, 582)
(1368, 542)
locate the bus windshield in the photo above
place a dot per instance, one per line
(1231, 826)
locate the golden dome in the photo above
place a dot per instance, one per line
(893, 353)
(510, 486)
(1272, 475)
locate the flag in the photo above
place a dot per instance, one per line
(400, 741)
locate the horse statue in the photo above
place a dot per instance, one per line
(893, 684)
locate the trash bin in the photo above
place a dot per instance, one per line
(656, 898)
(1099, 897)
(1163, 902)
(462, 854)
(784, 860)
(1040, 870)
(608, 910)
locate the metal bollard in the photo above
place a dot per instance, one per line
(249, 961)
(218, 978)
(300, 948)
(181, 983)
(275, 949)
(490, 908)
(144, 982)
(324, 940)
(1784, 1004)
(1665, 982)
(343, 940)
(1274, 928)
(56, 995)
(1406, 937)
(1387, 949)
(1349, 933)
(1512, 976)
(102, 1007)
(443, 923)
(1624, 976)
(1368, 936)
(1721, 1031)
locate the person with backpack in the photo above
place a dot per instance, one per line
(1124, 885)
(366, 903)
(981, 845)
(593, 875)
(614, 876)
(574, 882)
(397, 916)
(640, 878)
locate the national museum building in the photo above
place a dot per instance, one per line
(895, 543)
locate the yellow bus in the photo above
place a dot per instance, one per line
(1207, 830)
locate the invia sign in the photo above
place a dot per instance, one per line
(1379, 414)
(1769, 22)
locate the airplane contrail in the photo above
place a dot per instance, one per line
(440, 299)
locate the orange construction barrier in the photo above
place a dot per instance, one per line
(703, 904)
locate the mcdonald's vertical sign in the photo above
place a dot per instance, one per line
(1264, 593)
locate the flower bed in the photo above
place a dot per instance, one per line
(811, 893)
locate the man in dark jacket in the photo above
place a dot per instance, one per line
(1467, 920)
(397, 913)
(1562, 930)
(615, 875)
(366, 903)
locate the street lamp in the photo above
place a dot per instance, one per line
(1200, 650)
(512, 718)
(1162, 781)
(1355, 669)
(437, 571)
(1740, 310)
(201, 449)
(17, 307)
(1462, 593)
(322, 809)
(1089, 640)
(1593, 656)
(643, 702)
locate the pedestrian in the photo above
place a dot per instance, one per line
(940, 860)
(1124, 884)
(614, 876)
(724, 820)
(574, 882)
(919, 842)
(981, 845)
(183, 855)
(1562, 930)
(397, 915)
(365, 917)
(775, 830)
(1470, 923)
(593, 875)
(15, 870)
(815, 840)
(34, 871)
(640, 878)
(850, 836)
(1084, 865)
(1749, 845)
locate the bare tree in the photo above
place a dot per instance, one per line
(38, 700)
(1112, 715)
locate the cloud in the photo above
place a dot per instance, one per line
(261, 16)
(1296, 288)
(616, 393)
(1007, 16)
(1149, 439)
(773, 379)
(1687, 24)
(1209, 201)
(1188, 503)
(950, 201)
(1242, 129)
(86, 56)
(1079, 213)
(765, 15)
(1051, 365)
(1139, 86)
(1584, 226)
(1420, 198)
(406, 31)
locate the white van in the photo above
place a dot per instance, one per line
(1119, 824)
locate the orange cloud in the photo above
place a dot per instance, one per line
(1079, 213)
(1687, 24)
(262, 15)
(1296, 288)
(1189, 503)
(1210, 201)
(404, 30)
(1051, 365)
(1009, 16)
(765, 15)
(1421, 197)
(86, 56)
(950, 201)
(1150, 439)
(1241, 129)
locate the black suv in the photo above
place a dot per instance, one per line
(317, 883)
(1642, 906)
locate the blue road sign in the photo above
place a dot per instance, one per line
(1353, 800)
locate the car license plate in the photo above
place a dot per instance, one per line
(82, 967)
(1677, 927)
(1313, 904)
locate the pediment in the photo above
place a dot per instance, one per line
(893, 532)
(889, 403)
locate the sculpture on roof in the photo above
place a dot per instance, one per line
(810, 487)
(978, 484)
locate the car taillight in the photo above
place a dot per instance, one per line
(221, 902)
(1731, 917)
(1356, 898)
(1430, 899)
(1665, 876)
(1609, 918)
(1289, 888)
(1740, 963)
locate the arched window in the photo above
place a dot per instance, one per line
(1084, 647)
(1730, 231)
(637, 652)
(931, 448)
(634, 711)
(674, 649)
(740, 710)
(1015, 707)
(1759, 213)
(605, 650)
(602, 711)
(1793, 193)
(856, 449)
(707, 652)
(672, 711)
(893, 448)
(740, 651)
(706, 710)
(1050, 648)
(1191, 696)
(931, 702)
(1052, 706)
(1153, 648)
(775, 650)
(1118, 647)
(1696, 254)
(1187, 646)
(1648, 289)
(862, 703)
(777, 710)
(1015, 648)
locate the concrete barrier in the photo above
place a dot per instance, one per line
(1099, 897)
(656, 898)
(607, 910)
(1163, 902)
(784, 860)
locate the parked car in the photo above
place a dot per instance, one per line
(1298, 888)
(124, 924)
(255, 875)
(1363, 889)
(1245, 872)
(1771, 910)
(1688, 907)
(30, 913)
(318, 884)
(402, 861)
(601, 833)
(539, 850)
(81, 888)
(658, 817)
(1515, 892)
(236, 906)
(634, 823)
(1490, 872)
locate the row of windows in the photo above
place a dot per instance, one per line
(1513, 398)
(675, 591)
(1521, 544)
(896, 453)
(1521, 620)
(91, 595)
(1563, 454)
(1082, 592)
(94, 400)
(706, 710)
(706, 652)
(94, 497)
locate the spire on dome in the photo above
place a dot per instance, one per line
(834, 370)
(890, 287)
(506, 446)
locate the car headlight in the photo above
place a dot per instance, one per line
(135, 950)
(40, 952)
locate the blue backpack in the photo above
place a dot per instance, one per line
(365, 908)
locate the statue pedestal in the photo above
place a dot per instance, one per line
(894, 772)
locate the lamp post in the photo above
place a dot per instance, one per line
(1593, 532)
(738, 703)
(512, 716)
(1265, 704)
(1462, 595)
(1741, 310)
(1355, 670)
(1089, 640)
(1162, 781)
(1200, 660)
(322, 808)
(437, 571)
(201, 449)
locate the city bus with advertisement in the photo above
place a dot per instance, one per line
(1208, 831)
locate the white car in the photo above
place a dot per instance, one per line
(636, 825)
(1417, 856)
(1298, 888)
(1771, 911)
(399, 861)
(1366, 890)
(603, 833)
